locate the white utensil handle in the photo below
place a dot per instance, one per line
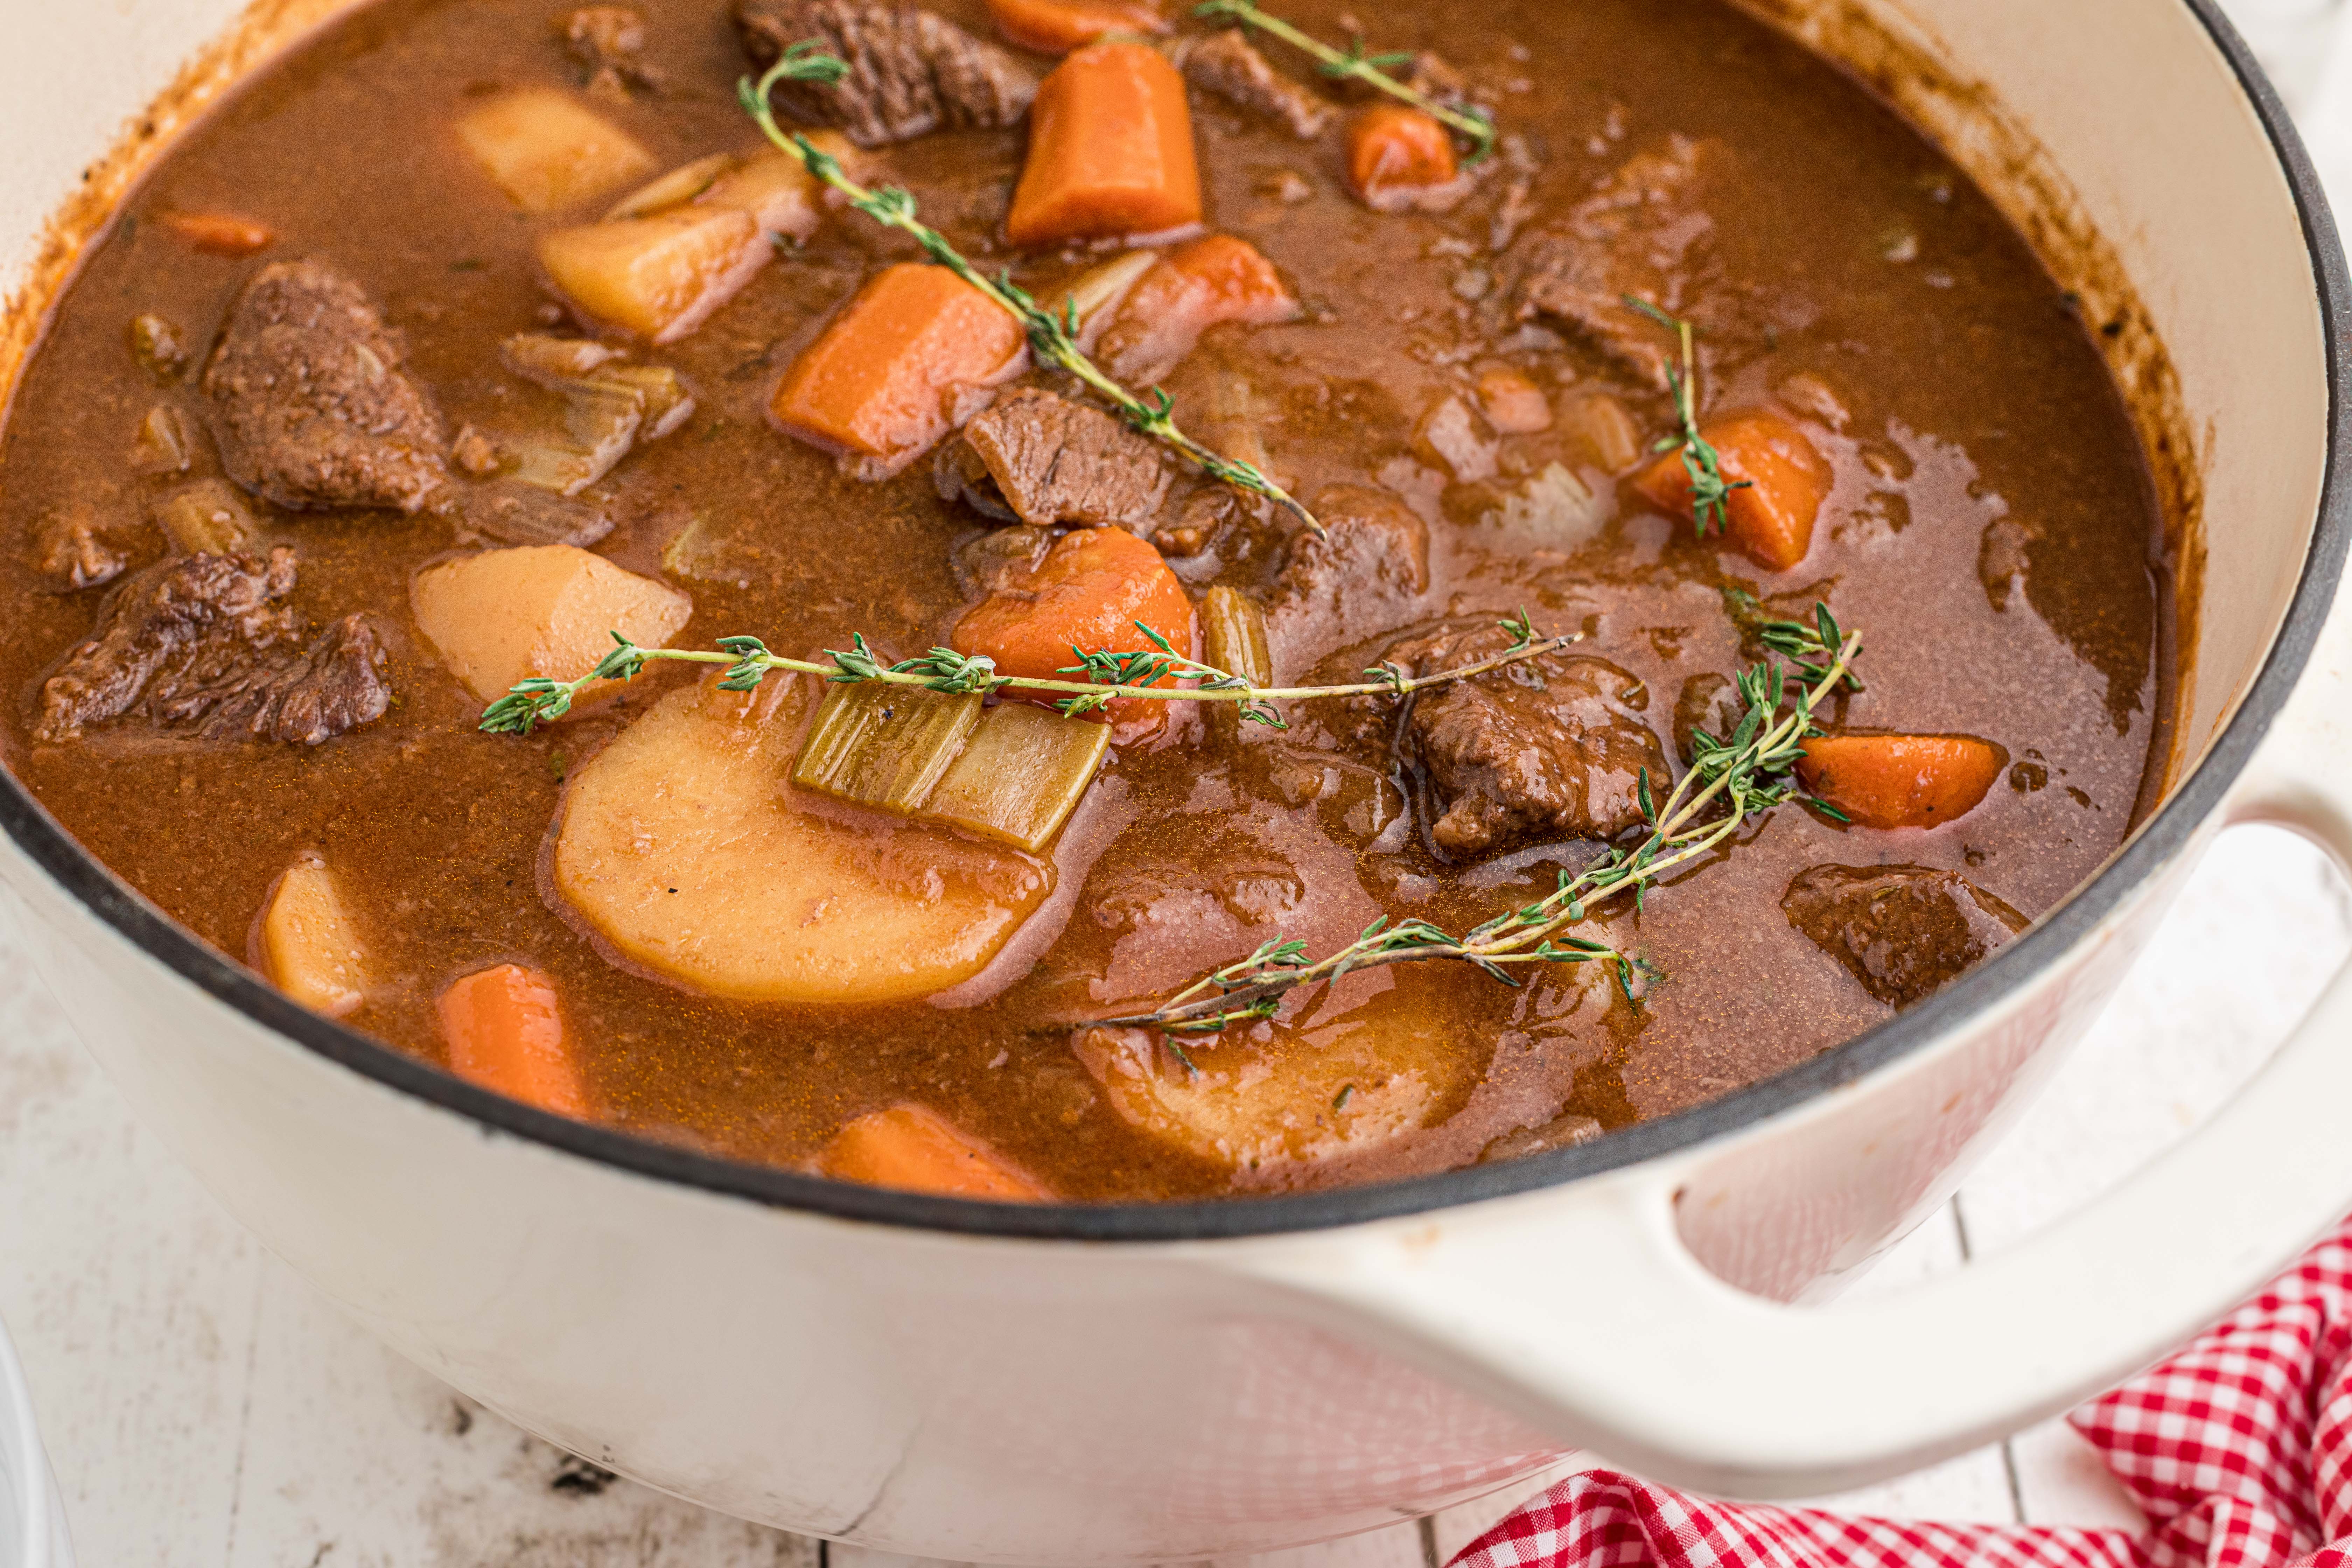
(1582, 1310)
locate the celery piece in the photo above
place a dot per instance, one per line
(885, 745)
(1023, 772)
(1233, 637)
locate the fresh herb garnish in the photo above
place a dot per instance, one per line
(1468, 120)
(1806, 644)
(1106, 675)
(1710, 491)
(1052, 337)
(1752, 771)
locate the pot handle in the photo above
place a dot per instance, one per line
(1581, 1309)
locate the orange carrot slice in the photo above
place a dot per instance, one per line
(505, 1030)
(1770, 518)
(879, 382)
(1088, 592)
(1057, 27)
(1395, 153)
(1901, 780)
(218, 233)
(1110, 149)
(915, 1149)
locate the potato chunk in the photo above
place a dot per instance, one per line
(500, 615)
(658, 277)
(682, 845)
(307, 942)
(548, 150)
(668, 256)
(1272, 1102)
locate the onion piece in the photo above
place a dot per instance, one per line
(680, 185)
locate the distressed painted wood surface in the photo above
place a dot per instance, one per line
(206, 1409)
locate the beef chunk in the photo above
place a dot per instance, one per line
(314, 408)
(1228, 65)
(205, 645)
(1056, 462)
(1550, 745)
(1642, 233)
(911, 71)
(1905, 931)
(299, 696)
(1363, 577)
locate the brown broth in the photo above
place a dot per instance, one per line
(1972, 389)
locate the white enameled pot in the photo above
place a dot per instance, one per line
(1105, 1384)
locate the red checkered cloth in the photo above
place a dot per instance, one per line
(2238, 1450)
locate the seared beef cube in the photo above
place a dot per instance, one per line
(1056, 462)
(911, 71)
(1361, 577)
(300, 696)
(1905, 931)
(1642, 233)
(314, 407)
(1228, 65)
(1550, 745)
(165, 612)
(196, 645)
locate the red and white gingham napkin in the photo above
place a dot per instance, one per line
(2238, 1449)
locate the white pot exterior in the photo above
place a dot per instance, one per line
(920, 1375)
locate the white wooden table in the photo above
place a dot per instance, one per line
(205, 1409)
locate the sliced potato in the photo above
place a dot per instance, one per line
(547, 150)
(779, 193)
(658, 277)
(550, 610)
(307, 943)
(681, 846)
(1270, 1100)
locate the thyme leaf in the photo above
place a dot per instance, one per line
(1710, 491)
(1750, 773)
(1107, 674)
(1052, 339)
(1471, 122)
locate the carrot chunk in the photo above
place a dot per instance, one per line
(1395, 153)
(1770, 518)
(1195, 287)
(1901, 780)
(1088, 592)
(505, 1029)
(218, 233)
(915, 1149)
(1057, 27)
(1110, 149)
(880, 381)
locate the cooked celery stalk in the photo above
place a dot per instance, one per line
(884, 746)
(1021, 775)
(1232, 636)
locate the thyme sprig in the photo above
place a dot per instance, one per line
(1805, 644)
(1106, 675)
(1052, 339)
(1710, 491)
(1749, 772)
(1468, 120)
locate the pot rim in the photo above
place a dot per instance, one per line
(38, 835)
